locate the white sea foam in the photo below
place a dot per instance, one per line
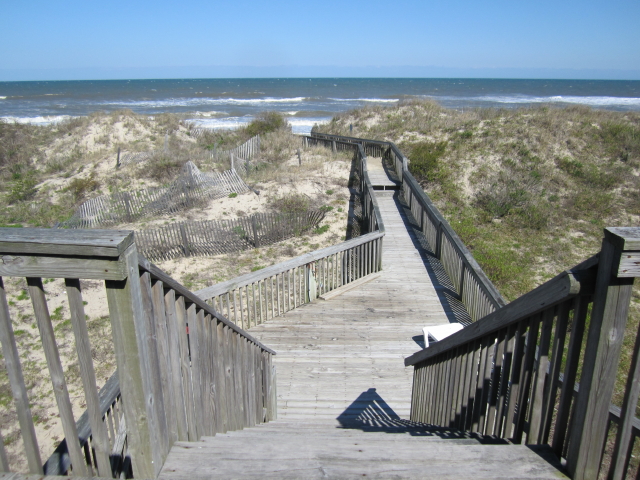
(221, 123)
(177, 102)
(2, 98)
(43, 120)
(594, 101)
(374, 100)
(301, 125)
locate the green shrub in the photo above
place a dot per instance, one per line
(321, 230)
(266, 122)
(80, 187)
(622, 140)
(233, 195)
(22, 188)
(292, 203)
(425, 164)
(571, 166)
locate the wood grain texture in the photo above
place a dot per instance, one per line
(38, 241)
(100, 441)
(61, 267)
(566, 285)
(18, 389)
(602, 353)
(332, 351)
(41, 311)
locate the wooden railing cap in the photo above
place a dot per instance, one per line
(51, 241)
(624, 238)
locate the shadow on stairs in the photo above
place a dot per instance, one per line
(368, 440)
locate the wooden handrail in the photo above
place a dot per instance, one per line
(195, 298)
(59, 461)
(580, 280)
(514, 373)
(463, 252)
(253, 277)
(164, 337)
(479, 280)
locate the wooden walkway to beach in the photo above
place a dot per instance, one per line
(378, 175)
(330, 352)
(342, 386)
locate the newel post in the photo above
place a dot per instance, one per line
(604, 341)
(133, 341)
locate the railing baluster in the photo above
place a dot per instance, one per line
(100, 441)
(503, 389)
(36, 291)
(222, 409)
(538, 388)
(18, 388)
(185, 361)
(174, 334)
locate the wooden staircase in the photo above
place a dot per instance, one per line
(289, 450)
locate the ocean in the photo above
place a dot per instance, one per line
(229, 103)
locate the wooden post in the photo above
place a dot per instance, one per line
(299, 158)
(166, 143)
(185, 241)
(334, 147)
(127, 207)
(129, 335)
(602, 353)
(118, 160)
(256, 242)
(232, 166)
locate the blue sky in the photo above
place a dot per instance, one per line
(50, 40)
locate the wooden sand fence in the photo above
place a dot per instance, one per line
(189, 189)
(224, 236)
(247, 150)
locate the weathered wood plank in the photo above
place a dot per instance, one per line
(61, 267)
(562, 287)
(18, 388)
(41, 311)
(99, 439)
(46, 241)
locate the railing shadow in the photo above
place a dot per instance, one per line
(370, 413)
(453, 307)
(354, 215)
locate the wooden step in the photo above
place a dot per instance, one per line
(310, 451)
(349, 286)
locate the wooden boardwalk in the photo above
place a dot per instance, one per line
(342, 386)
(331, 352)
(378, 175)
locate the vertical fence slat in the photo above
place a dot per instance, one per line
(99, 441)
(174, 333)
(41, 311)
(18, 388)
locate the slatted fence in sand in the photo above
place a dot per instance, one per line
(212, 237)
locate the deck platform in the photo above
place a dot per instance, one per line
(331, 352)
(380, 179)
(344, 395)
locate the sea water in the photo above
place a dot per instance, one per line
(229, 103)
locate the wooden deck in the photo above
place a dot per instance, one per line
(379, 176)
(331, 352)
(343, 389)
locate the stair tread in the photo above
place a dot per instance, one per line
(311, 450)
